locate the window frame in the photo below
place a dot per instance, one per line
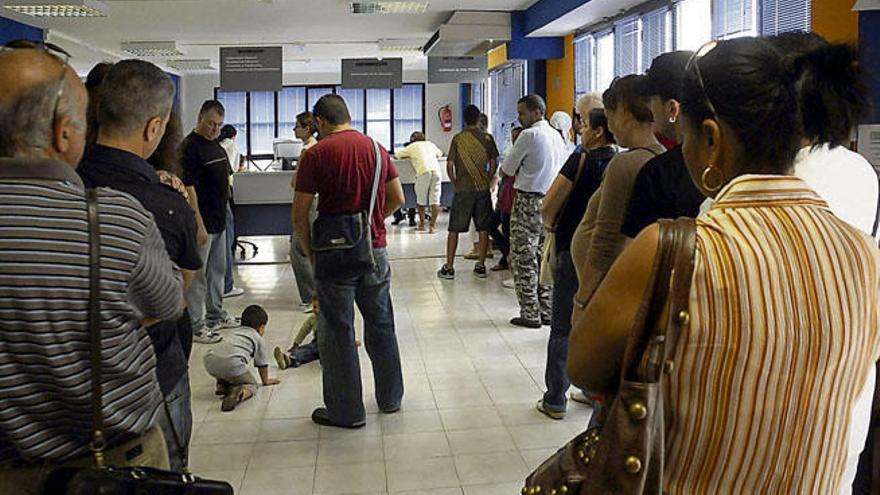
(248, 152)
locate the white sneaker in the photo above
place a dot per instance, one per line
(509, 284)
(206, 337)
(229, 322)
(235, 292)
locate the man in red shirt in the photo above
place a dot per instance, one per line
(340, 170)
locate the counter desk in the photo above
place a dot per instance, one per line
(263, 199)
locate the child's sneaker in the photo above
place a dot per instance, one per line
(282, 358)
(446, 273)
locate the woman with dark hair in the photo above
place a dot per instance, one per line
(564, 207)
(770, 379)
(166, 158)
(598, 241)
(306, 129)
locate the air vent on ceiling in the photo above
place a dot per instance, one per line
(418, 7)
(152, 48)
(386, 45)
(191, 65)
(59, 8)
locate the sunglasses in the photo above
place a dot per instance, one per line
(694, 65)
(58, 53)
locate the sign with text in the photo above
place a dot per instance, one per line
(457, 69)
(372, 73)
(251, 68)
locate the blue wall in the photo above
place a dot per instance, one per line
(544, 12)
(13, 30)
(523, 48)
(869, 56)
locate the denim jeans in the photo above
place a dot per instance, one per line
(305, 354)
(179, 405)
(564, 288)
(303, 271)
(205, 294)
(228, 281)
(343, 393)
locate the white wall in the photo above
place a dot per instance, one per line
(196, 88)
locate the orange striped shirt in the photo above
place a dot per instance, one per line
(784, 331)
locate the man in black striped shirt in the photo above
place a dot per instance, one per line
(45, 375)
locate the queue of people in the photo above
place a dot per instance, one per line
(781, 326)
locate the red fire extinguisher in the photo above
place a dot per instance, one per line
(445, 115)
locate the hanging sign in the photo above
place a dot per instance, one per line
(251, 68)
(457, 69)
(372, 73)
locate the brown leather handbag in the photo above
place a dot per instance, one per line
(625, 454)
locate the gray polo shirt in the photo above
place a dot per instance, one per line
(231, 356)
(536, 158)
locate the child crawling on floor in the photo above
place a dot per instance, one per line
(298, 354)
(229, 360)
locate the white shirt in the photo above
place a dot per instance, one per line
(232, 153)
(843, 178)
(536, 158)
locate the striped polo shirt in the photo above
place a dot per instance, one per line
(782, 342)
(45, 374)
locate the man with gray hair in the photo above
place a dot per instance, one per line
(133, 105)
(46, 413)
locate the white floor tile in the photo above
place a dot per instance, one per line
(353, 478)
(420, 474)
(470, 418)
(480, 441)
(491, 468)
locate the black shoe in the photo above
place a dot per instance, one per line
(321, 417)
(412, 222)
(522, 322)
(480, 270)
(446, 273)
(391, 411)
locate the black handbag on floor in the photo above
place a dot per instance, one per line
(343, 243)
(103, 479)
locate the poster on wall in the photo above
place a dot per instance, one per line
(251, 68)
(372, 73)
(457, 69)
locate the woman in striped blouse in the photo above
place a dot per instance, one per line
(772, 382)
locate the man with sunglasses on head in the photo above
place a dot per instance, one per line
(135, 104)
(663, 188)
(47, 412)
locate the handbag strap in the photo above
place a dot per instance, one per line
(98, 443)
(377, 174)
(577, 177)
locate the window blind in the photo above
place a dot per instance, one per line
(780, 16)
(733, 18)
(626, 46)
(656, 36)
(583, 66)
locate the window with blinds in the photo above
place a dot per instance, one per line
(627, 34)
(693, 24)
(733, 18)
(583, 66)
(603, 60)
(656, 36)
(780, 16)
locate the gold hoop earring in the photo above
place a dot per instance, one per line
(706, 172)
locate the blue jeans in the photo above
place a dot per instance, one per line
(205, 294)
(228, 281)
(564, 288)
(179, 405)
(303, 271)
(343, 393)
(305, 354)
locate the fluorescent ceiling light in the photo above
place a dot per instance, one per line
(417, 7)
(191, 65)
(400, 45)
(59, 8)
(152, 48)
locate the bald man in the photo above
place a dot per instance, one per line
(45, 370)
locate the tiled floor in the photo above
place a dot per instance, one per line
(468, 424)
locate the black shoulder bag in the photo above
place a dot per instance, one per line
(105, 479)
(343, 243)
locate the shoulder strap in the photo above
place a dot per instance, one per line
(649, 150)
(98, 442)
(377, 174)
(577, 178)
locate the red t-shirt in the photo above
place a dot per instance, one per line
(340, 170)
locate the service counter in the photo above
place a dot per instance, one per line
(263, 199)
